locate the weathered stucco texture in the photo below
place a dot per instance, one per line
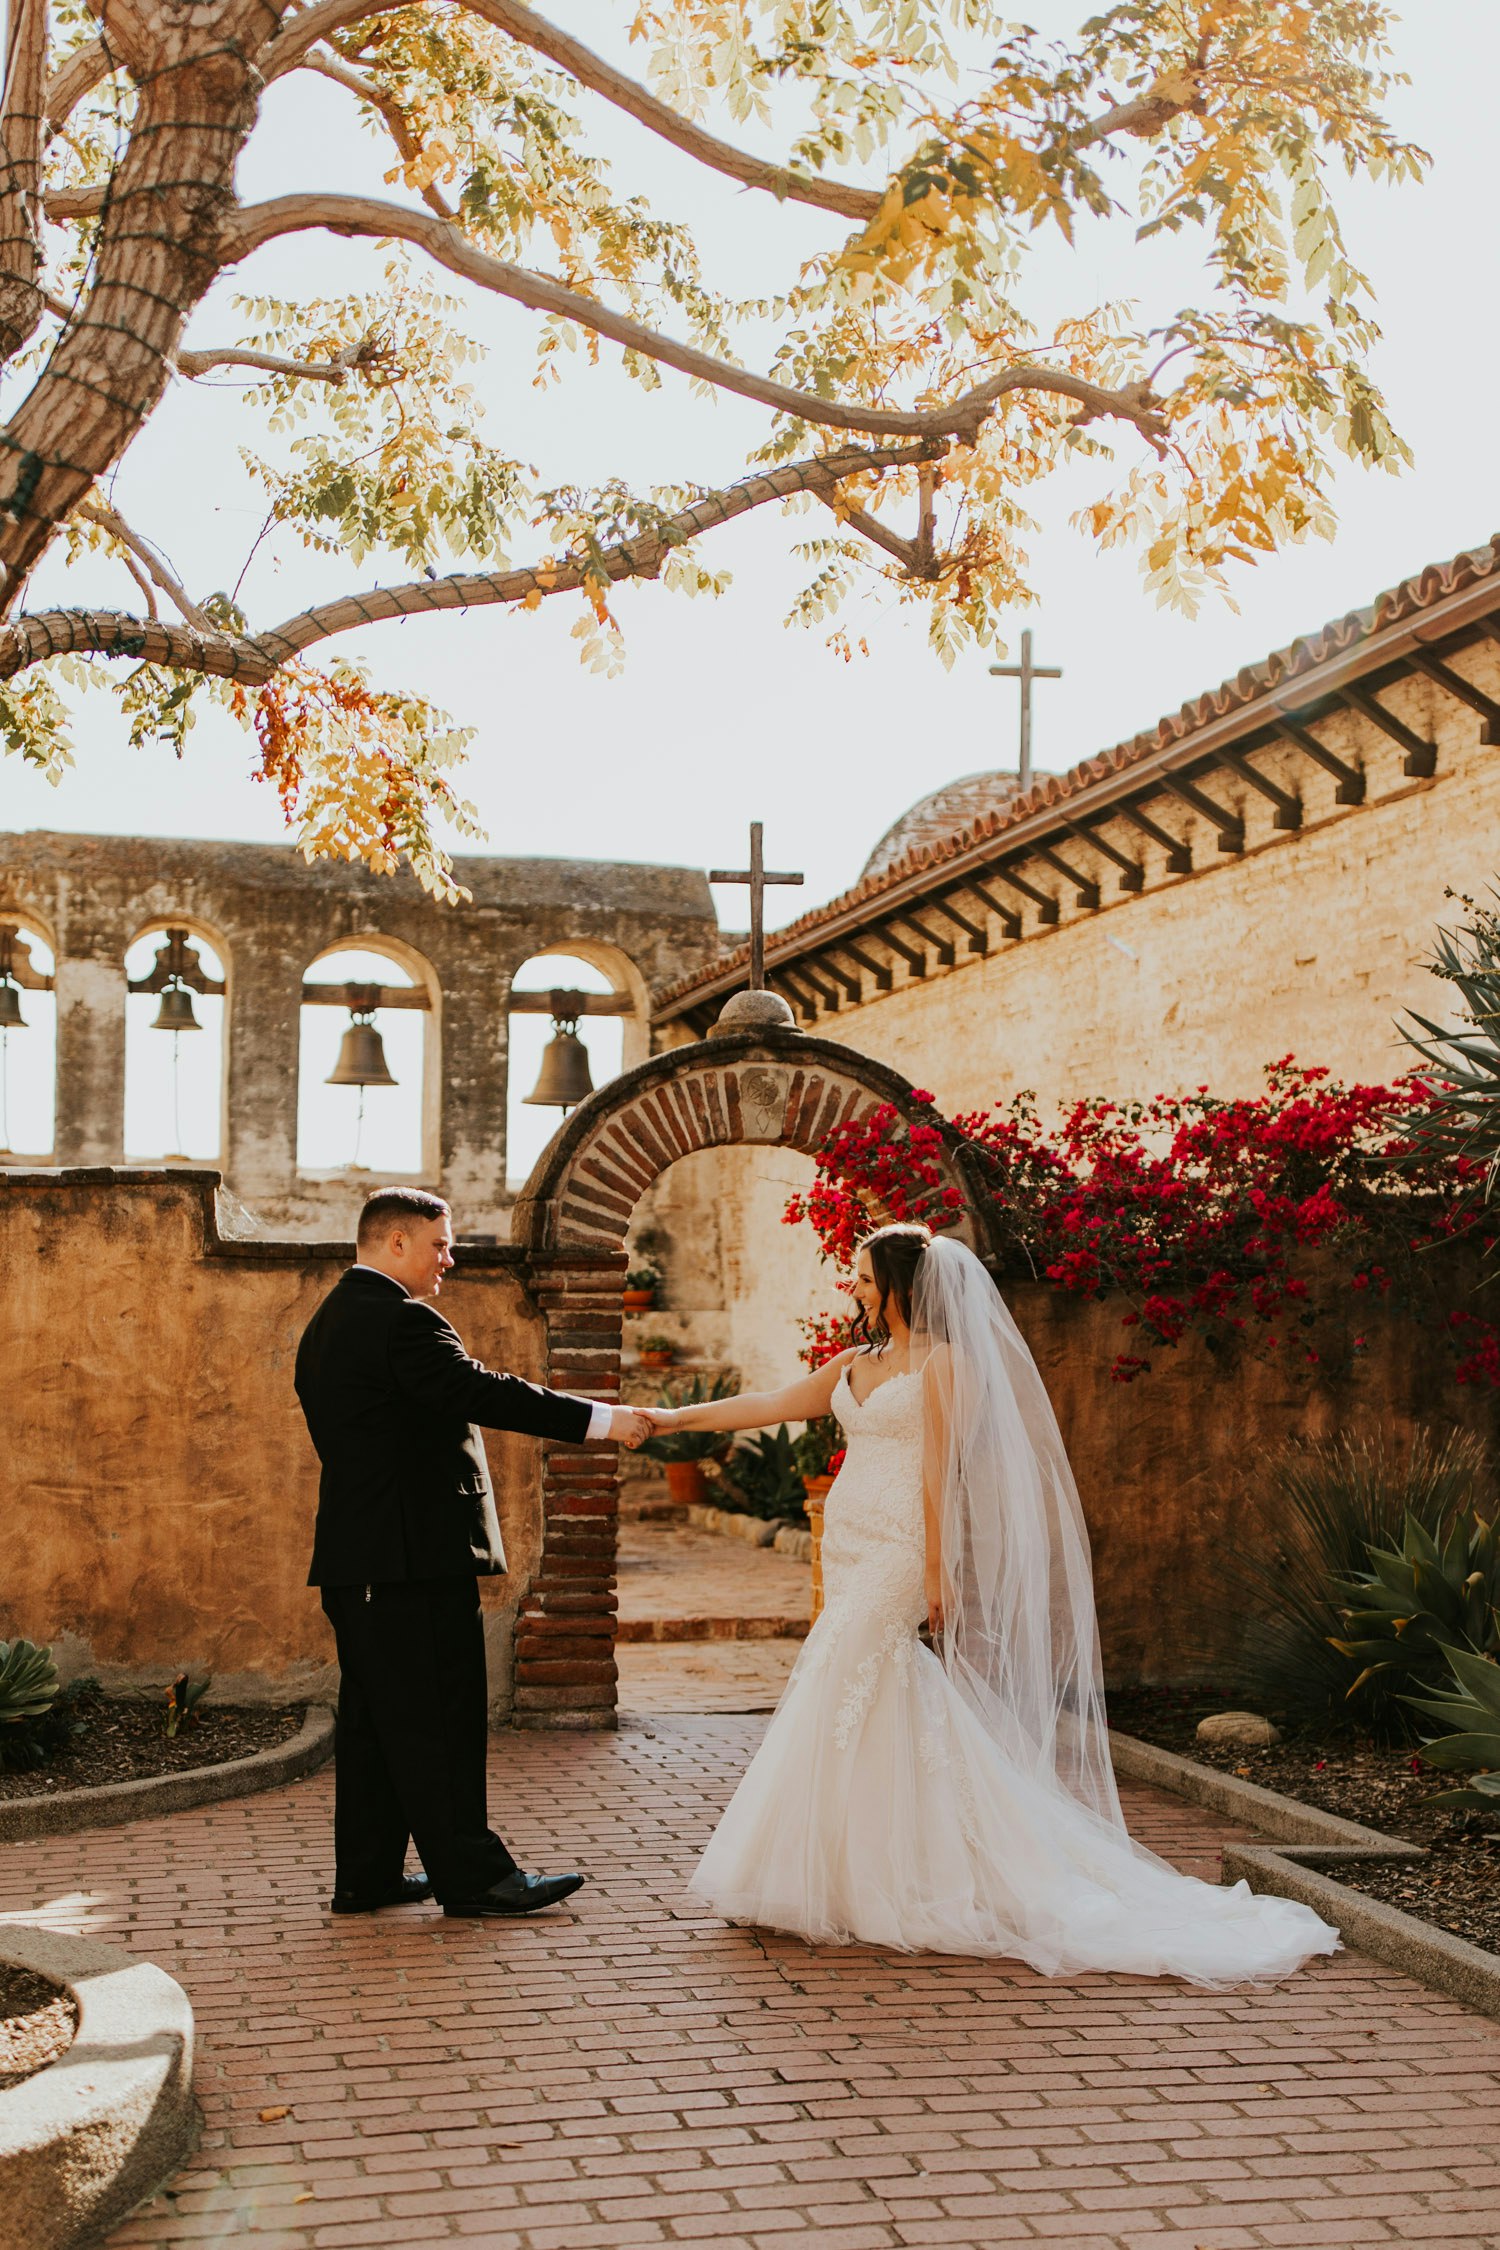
(157, 1484)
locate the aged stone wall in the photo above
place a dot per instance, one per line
(270, 916)
(157, 1484)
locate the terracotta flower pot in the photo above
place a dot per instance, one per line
(817, 1488)
(657, 1359)
(639, 1300)
(686, 1483)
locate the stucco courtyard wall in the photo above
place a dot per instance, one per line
(157, 1484)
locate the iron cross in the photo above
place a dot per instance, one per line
(757, 878)
(1026, 672)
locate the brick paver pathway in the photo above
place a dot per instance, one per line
(712, 1675)
(677, 1581)
(631, 2073)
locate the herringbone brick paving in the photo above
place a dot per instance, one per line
(632, 2073)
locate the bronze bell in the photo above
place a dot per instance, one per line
(11, 1018)
(361, 1058)
(176, 1010)
(564, 1080)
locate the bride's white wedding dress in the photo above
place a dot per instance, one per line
(884, 1805)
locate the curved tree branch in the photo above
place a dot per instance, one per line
(101, 513)
(335, 371)
(298, 36)
(261, 223)
(21, 130)
(254, 659)
(86, 68)
(389, 111)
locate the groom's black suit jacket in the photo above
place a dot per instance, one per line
(392, 1399)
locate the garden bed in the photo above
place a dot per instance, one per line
(38, 2019)
(123, 1741)
(1456, 1889)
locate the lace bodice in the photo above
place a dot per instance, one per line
(874, 1545)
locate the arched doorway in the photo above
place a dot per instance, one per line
(739, 1088)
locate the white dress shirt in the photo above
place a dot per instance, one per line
(599, 1414)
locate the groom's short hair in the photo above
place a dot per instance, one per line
(391, 1207)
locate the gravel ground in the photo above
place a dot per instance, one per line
(124, 1742)
(37, 2022)
(1457, 1889)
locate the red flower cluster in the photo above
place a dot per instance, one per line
(1202, 1214)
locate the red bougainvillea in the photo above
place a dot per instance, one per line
(1200, 1214)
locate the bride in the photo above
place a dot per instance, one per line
(959, 1802)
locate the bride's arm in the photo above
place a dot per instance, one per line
(802, 1401)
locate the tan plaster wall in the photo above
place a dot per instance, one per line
(157, 1484)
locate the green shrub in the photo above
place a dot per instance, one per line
(817, 1445)
(1471, 1709)
(1338, 1499)
(764, 1472)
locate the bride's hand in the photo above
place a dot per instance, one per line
(934, 1592)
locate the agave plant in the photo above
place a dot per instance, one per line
(1471, 1708)
(1461, 1120)
(691, 1445)
(1423, 1606)
(1332, 1502)
(764, 1472)
(28, 1682)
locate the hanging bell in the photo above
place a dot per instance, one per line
(176, 1010)
(563, 1081)
(11, 1018)
(361, 1059)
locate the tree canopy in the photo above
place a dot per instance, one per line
(908, 393)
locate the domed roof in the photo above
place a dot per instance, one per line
(933, 818)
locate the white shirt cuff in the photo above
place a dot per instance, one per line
(599, 1421)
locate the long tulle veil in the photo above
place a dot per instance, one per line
(1020, 1638)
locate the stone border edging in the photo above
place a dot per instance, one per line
(90, 2136)
(158, 1794)
(1311, 1845)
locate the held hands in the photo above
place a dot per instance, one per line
(629, 1426)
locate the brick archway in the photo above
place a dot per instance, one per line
(772, 1089)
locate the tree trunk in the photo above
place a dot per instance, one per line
(157, 253)
(21, 175)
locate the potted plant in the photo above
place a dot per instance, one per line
(657, 1351)
(683, 1453)
(819, 1455)
(641, 1285)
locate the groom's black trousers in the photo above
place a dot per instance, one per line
(412, 1737)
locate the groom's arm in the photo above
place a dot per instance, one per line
(429, 1365)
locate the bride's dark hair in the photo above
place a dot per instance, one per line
(895, 1254)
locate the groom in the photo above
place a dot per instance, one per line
(406, 1524)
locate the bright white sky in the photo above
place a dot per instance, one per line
(723, 715)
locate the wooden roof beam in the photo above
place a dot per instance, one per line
(1132, 876)
(940, 945)
(806, 1007)
(1351, 780)
(879, 970)
(1230, 829)
(827, 993)
(1288, 813)
(1462, 690)
(846, 980)
(979, 939)
(1421, 757)
(1047, 908)
(1008, 918)
(1087, 889)
(1179, 853)
(915, 961)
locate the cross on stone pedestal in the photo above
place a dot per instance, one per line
(1026, 672)
(757, 878)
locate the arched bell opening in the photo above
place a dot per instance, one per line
(571, 1017)
(176, 984)
(28, 1041)
(368, 1078)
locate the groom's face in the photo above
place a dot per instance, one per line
(425, 1254)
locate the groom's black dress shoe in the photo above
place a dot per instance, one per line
(410, 1890)
(517, 1894)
